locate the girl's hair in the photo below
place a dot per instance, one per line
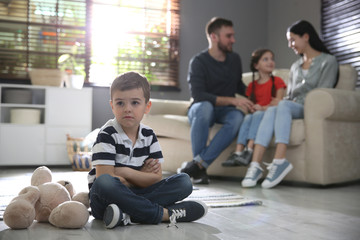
(301, 27)
(255, 58)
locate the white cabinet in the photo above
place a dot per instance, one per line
(62, 111)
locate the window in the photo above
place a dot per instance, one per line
(140, 36)
(34, 33)
(341, 31)
(113, 36)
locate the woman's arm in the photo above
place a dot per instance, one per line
(329, 70)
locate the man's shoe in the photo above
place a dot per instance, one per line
(191, 168)
(253, 174)
(201, 177)
(113, 217)
(276, 173)
(186, 211)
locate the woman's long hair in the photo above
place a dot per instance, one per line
(301, 27)
(255, 58)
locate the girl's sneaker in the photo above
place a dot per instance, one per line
(253, 174)
(113, 217)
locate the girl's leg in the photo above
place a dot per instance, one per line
(239, 147)
(108, 190)
(244, 130)
(254, 126)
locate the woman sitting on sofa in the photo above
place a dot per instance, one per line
(316, 68)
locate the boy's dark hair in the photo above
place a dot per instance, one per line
(255, 58)
(129, 81)
(215, 24)
(301, 27)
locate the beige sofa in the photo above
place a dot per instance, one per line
(324, 147)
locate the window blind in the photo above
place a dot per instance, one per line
(341, 31)
(113, 36)
(34, 33)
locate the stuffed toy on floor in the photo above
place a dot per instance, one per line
(46, 201)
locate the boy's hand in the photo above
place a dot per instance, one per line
(151, 166)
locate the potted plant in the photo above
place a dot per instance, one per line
(75, 72)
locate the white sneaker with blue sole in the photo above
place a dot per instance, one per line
(277, 172)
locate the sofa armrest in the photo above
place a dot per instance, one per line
(332, 104)
(332, 129)
(171, 107)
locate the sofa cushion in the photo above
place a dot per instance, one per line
(168, 125)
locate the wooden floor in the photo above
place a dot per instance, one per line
(288, 212)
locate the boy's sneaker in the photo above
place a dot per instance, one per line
(113, 217)
(253, 174)
(186, 211)
(276, 173)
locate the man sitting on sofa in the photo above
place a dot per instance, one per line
(215, 75)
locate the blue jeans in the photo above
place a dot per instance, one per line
(278, 119)
(143, 205)
(249, 127)
(202, 116)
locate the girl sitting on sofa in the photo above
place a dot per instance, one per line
(265, 91)
(316, 68)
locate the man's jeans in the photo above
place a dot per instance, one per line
(143, 205)
(202, 116)
(249, 127)
(278, 118)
